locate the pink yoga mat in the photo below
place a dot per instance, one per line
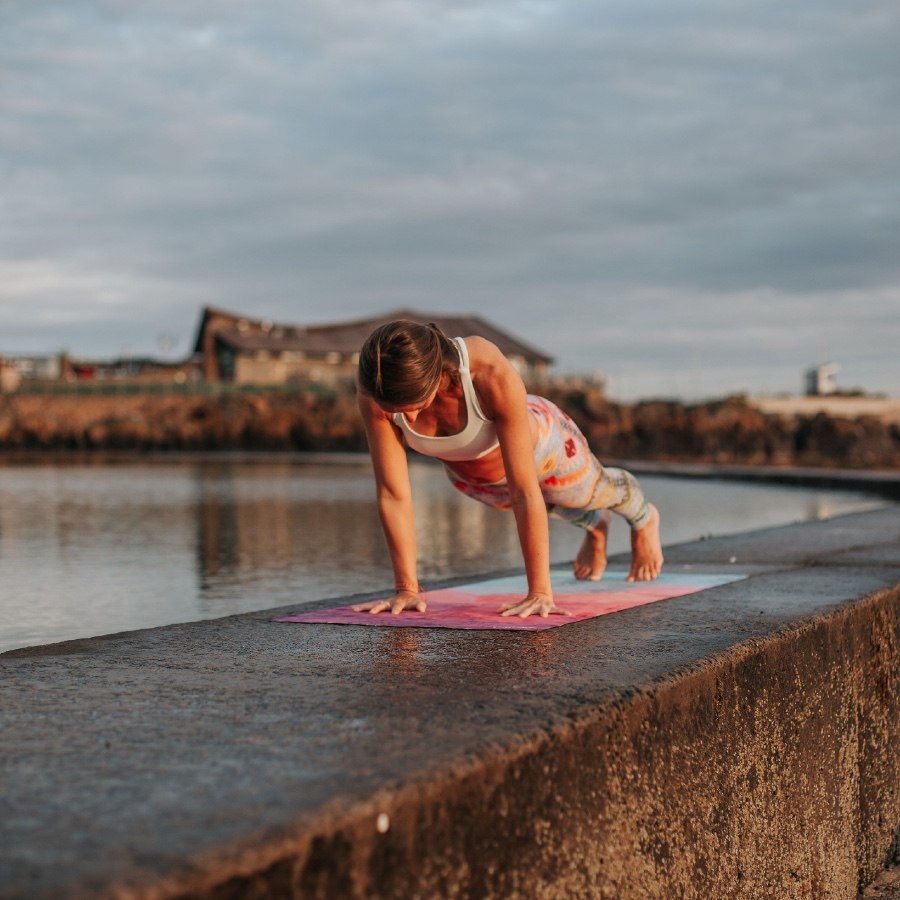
(475, 606)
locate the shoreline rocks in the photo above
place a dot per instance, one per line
(727, 431)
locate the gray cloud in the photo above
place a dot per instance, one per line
(648, 188)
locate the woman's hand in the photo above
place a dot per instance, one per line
(534, 603)
(396, 604)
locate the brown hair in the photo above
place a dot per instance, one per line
(402, 361)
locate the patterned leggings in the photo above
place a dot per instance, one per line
(575, 486)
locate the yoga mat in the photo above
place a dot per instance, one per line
(475, 606)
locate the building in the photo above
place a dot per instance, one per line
(36, 368)
(820, 380)
(131, 369)
(26, 372)
(10, 378)
(252, 351)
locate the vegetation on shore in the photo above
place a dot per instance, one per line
(728, 431)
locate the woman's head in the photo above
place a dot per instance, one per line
(401, 362)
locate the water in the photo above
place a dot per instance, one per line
(91, 548)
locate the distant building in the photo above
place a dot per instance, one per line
(36, 368)
(820, 380)
(9, 377)
(252, 351)
(42, 370)
(131, 369)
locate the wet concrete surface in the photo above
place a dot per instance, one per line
(885, 887)
(742, 741)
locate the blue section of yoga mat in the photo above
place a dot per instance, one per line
(564, 582)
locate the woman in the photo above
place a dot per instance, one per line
(463, 402)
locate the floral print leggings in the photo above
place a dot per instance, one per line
(575, 486)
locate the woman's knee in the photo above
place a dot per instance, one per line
(630, 502)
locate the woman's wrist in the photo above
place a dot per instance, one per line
(411, 587)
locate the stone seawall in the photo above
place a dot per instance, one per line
(147, 422)
(730, 431)
(737, 742)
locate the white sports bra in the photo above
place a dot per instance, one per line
(477, 439)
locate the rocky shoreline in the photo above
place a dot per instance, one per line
(727, 431)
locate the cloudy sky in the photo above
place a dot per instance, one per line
(691, 197)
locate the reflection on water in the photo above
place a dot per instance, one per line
(90, 549)
(284, 531)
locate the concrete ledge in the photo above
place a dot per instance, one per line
(881, 482)
(739, 742)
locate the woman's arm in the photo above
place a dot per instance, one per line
(502, 394)
(395, 508)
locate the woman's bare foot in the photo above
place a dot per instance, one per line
(590, 564)
(646, 550)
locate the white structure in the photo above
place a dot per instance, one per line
(9, 377)
(46, 368)
(820, 380)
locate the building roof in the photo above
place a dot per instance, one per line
(348, 337)
(208, 313)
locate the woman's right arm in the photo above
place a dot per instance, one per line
(395, 508)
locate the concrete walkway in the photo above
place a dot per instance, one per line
(739, 742)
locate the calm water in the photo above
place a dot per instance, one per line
(89, 549)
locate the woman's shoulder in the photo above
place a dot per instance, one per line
(370, 410)
(482, 352)
(492, 373)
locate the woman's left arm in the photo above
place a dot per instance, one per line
(504, 400)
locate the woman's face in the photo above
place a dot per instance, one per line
(410, 410)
